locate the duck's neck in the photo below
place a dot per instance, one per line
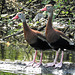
(25, 26)
(49, 22)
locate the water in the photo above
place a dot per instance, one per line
(6, 73)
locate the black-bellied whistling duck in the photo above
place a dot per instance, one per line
(33, 37)
(56, 38)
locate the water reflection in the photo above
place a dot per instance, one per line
(5, 73)
(25, 52)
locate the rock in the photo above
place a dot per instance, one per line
(20, 67)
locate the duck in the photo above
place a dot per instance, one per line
(57, 39)
(34, 38)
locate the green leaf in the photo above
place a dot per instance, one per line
(67, 12)
(30, 19)
(63, 12)
(37, 22)
(20, 24)
(69, 22)
(16, 30)
(30, 0)
(65, 0)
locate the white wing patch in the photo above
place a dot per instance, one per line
(43, 39)
(70, 42)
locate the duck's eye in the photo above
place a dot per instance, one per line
(48, 7)
(19, 14)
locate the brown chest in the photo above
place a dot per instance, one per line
(51, 36)
(30, 37)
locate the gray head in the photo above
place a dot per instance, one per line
(19, 15)
(48, 8)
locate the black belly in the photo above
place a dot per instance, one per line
(40, 45)
(62, 44)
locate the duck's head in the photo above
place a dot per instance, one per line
(48, 8)
(19, 15)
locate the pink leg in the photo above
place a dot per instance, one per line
(35, 56)
(60, 63)
(41, 58)
(40, 63)
(32, 63)
(53, 63)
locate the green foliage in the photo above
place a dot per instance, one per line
(30, 0)
(70, 57)
(63, 12)
(69, 22)
(20, 24)
(6, 73)
(45, 1)
(30, 19)
(37, 22)
(66, 0)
